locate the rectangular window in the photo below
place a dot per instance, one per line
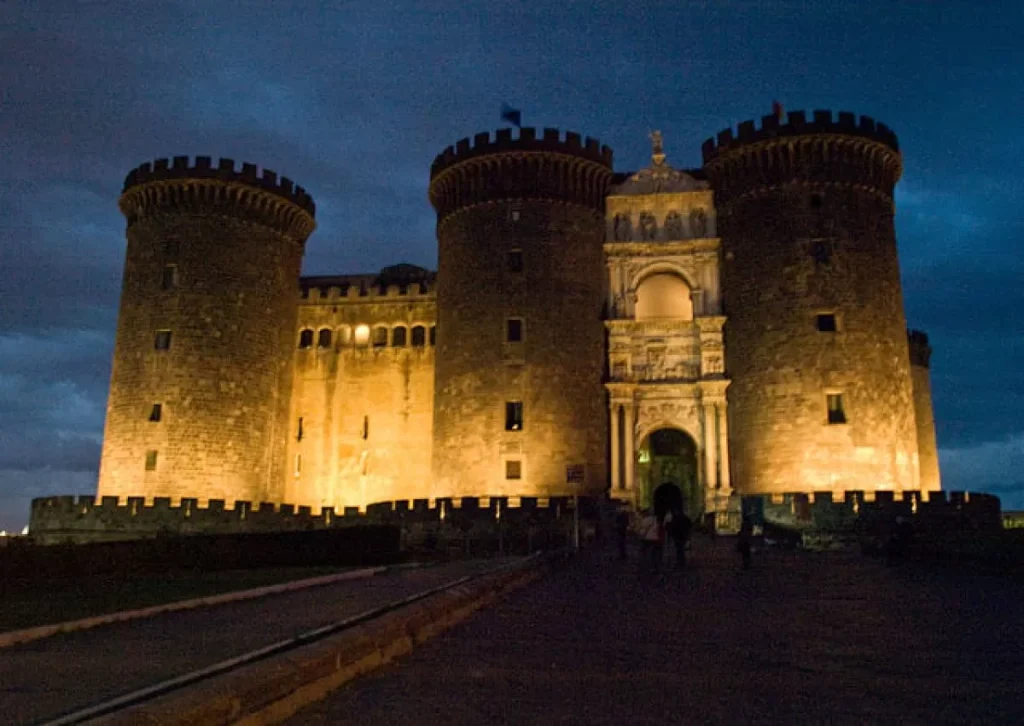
(514, 260)
(163, 340)
(156, 412)
(836, 412)
(169, 278)
(827, 323)
(151, 461)
(513, 470)
(514, 330)
(513, 415)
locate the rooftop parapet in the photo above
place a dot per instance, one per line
(178, 183)
(548, 167)
(550, 141)
(798, 124)
(920, 350)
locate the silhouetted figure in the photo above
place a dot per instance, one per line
(743, 541)
(899, 539)
(621, 531)
(681, 527)
(651, 539)
(712, 528)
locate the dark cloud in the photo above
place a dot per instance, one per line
(354, 101)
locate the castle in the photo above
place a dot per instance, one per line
(734, 329)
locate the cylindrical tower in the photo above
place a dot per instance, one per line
(200, 386)
(821, 396)
(924, 416)
(520, 341)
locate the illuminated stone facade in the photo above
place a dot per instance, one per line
(753, 305)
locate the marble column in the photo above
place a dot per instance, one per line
(710, 460)
(616, 448)
(629, 456)
(725, 482)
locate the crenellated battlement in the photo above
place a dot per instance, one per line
(83, 518)
(340, 288)
(178, 185)
(550, 141)
(546, 167)
(797, 124)
(837, 511)
(820, 150)
(920, 350)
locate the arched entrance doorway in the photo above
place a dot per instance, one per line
(666, 472)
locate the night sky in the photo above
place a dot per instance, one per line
(354, 102)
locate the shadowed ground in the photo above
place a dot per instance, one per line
(800, 638)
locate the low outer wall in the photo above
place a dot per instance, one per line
(57, 520)
(860, 511)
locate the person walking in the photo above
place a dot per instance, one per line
(651, 540)
(681, 528)
(743, 541)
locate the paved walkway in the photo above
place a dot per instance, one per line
(801, 638)
(46, 678)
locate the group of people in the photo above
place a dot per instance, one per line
(671, 532)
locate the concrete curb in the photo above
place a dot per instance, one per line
(274, 689)
(14, 637)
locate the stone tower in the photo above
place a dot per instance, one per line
(927, 447)
(816, 345)
(520, 340)
(202, 369)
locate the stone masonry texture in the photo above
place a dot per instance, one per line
(807, 229)
(315, 391)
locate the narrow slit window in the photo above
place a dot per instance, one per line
(514, 330)
(513, 469)
(163, 340)
(366, 427)
(827, 323)
(298, 430)
(514, 260)
(836, 411)
(169, 277)
(156, 413)
(151, 460)
(513, 415)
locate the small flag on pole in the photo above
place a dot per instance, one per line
(513, 115)
(777, 110)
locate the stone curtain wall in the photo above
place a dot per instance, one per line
(806, 220)
(234, 241)
(366, 410)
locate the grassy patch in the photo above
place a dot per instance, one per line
(39, 602)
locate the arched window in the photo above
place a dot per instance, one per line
(362, 335)
(673, 226)
(623, 229)
(324, 338)
(306, 338)
(380, 337)
(663, 295)
(398, 337)
(648, 226)
(698, 222)
(419, 336)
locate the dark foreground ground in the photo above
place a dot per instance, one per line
(47, 678)
(801, 638)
